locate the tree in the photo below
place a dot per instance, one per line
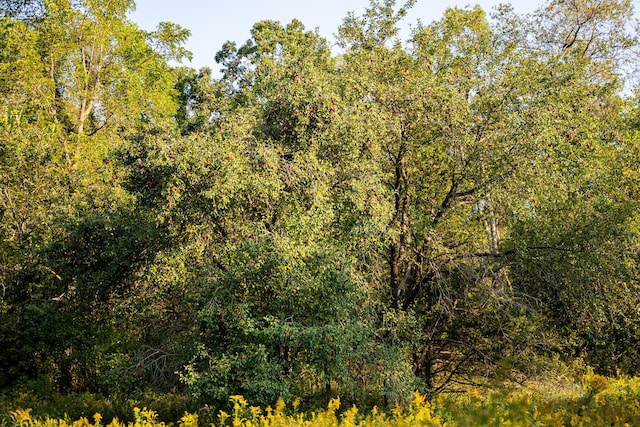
(276, 306)
(75, 81)
(434, 159)
(461, 136)
(590, 202)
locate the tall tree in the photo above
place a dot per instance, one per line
(462, 137)
(74, 82)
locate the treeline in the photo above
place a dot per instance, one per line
(365, 219)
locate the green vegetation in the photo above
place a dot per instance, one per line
(456, 210)
(602, 403)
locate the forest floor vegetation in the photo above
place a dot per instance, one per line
(594, 401)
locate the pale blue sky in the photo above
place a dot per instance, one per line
(212, 22)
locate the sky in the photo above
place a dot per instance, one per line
(213, 22)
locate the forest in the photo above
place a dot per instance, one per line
(361, 218)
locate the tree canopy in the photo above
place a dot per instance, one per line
(389, 215)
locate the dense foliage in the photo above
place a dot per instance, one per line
(385, 216)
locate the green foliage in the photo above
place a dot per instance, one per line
(399, 216)
(600, 401)
(47, 403)
(73, 83)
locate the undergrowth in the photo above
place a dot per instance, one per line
(599, 401)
